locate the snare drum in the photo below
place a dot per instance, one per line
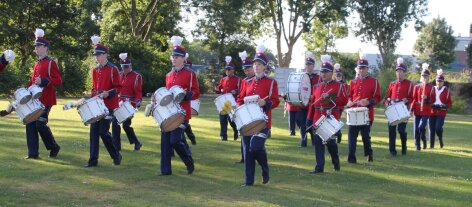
(92, 110)
(163, 96)
(195, 105)
(36, 91)
(327, 127)
(178, 93)
(397, 113)
(169, 117)
(298, 89)
(220, 102)
(29, 111)
(358, 116)
(252, 99)
(249, 119)
(22, 95)
(124, 112)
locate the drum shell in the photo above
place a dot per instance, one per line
(92, 110)
(36, 91)
(249, 119)
(298, 89)
(220, 101)
(178, 93)
(30, 111)
(169, 117)
(163, 96)
(195, 105)
(397, 113)
(327, 127)
(22, 95)
(124, 112)
(358, 116)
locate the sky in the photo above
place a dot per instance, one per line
(456, 12)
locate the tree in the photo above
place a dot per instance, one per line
(322, 37)
(436, 43)
(299, 15)
(469, 55)
(381, 22)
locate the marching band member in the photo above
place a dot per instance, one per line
(364, 91)
(188, 128)
(339, 77)
(439, 110)
(398, 90)
(249, 72)
(266, 88)
(423, 97)
(185, 78)
(306, 112)
(7, 57)
(294, 119)
(106, 85)
(46, 75)
(228, 84)
(328, 96)
(131, 90)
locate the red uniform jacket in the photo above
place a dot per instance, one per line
(228, 84)
(368, 88)
(318, 108)
(48, 71)
(314, 80)
(2, 66)
(131, 87)
(445, 98)
(397, 91)
(416, 102)
(347, 92)
(186, 79)
(264, 87)
(107, 78)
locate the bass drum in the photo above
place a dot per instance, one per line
(298, 89)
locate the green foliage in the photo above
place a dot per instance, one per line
(436, 43)
(348, 64)
(459, 105)
(385, 77)
(322, 36)
(469, 55)
(381, 22)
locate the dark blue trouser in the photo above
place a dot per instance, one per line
(353, 132)
(436, 124)
(224, 119)
(392, 137)
(254, 150)
(40, 126)
(100, 129)
(302, 119)
(174, 140)
(116, 132)
(320, 153)
(419, 127)
(189, 132)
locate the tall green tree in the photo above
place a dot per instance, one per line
(381, 22)
(322, 36)
(436, 43)
(289, 19)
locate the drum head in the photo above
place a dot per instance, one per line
(194, 112)
(298, 89)
(166, 100)
(33, 116)
(253, 128)
(172, 122)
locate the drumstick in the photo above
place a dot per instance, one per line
(322, 97)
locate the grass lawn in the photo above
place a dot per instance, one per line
(438, 177)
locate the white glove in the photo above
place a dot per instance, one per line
(9, 55)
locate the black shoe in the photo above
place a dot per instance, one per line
(193, 140)
(240, 161)
(117, 161)
(164, 174)
(91, 165)
(404, 152)
(316, 172)
(224, 139)
(292, 133)
(441, 146)
(138, 146)
(190, 169)
(339, 138)
(265, 180)
(352, 161)
(370, 158)
(337, 168)
(246, 185)
(236, 136)
(53, 153)
(393, 154)
(32, 157)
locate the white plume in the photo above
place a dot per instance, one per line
(243, 55)
(363, 56)
(39, 33)
(440, 72)
(186, 55)
(123, 56)
(309, 54)
(95, 39)
(326, 59)
(425, 66)
(399, 60)
(176, 40)
(260, 48)
(9, 55)
(228, 59)
(337, 66)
